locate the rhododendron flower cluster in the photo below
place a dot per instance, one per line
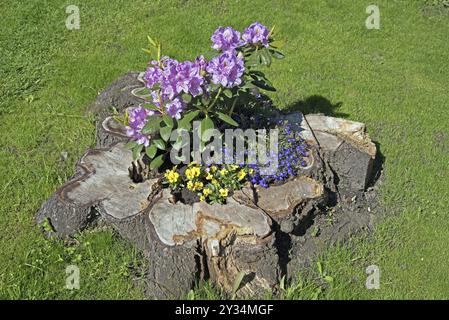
(137, 118)
(256, 34)
(211, 92)
(226, 39)
(226, 69)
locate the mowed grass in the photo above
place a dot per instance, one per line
(394, 79)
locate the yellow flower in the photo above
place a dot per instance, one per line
(213, 169)
(233, 167)
(207, 191)
(192, 173)
(171, 176)
(251, 171)
(202, 198)
(223, 172)
(223, 192)
(241, 175)
(209, 176)
(190, 185)
(215, 182)
(198, 185)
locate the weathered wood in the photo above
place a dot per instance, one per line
(343, 145)
(219, 235)
(289, 203)
(101, 182)
(117, 96)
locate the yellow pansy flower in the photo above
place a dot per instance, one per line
(223, 192)
(251, 171)
(198, 185)
(241, 175)
(192, 173)
(209, 176)
(190, 185)
(202, 198)
(172, 176)
(207, 191)
(233, 167)
(223, 172)
(215, 182)
(213, 169)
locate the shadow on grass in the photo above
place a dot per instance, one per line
(317, 104)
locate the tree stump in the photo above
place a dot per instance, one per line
(255, 236)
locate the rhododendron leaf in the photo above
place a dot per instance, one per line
(160, 144)
(165, 133)
(157, 162)
(153, 124)
(184, 123)
(136, 151)
(276, 54)
(187, 98)
(206, 124)
(151, 151)
(168, 121)
(263, 85)
(227, 93)
(131, 145)
(227, 119)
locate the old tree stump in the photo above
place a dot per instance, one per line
(260, 234)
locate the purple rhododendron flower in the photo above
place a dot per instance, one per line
(225, 39)
(201, 64)
(226, 69)
(177, 78)
(174, 108)
(256, 33)
(137, 118)
(152, 76)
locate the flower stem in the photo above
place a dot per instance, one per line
(233, 106)
(215, 99)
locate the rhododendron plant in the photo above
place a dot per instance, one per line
(209, 91)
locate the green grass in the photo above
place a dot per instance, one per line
(394, 79)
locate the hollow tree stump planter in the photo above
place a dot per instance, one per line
(257, 233)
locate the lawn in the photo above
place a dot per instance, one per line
(394, 79)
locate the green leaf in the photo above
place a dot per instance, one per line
(265, 57)
(165, 133)
(276, 54)
(237, 282)
(184, 123)
(168, 121)
(187, 98)
(151, 41)
(160, 144)
(227, 93)
(227, 119)
(151, 151)
(282, 283)
(263, 85)
(136, 151)
(157, 162)
(206, 124)
(319, 268)
(150, 107)
(131, 145)
(191, 115)
(153, 124)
